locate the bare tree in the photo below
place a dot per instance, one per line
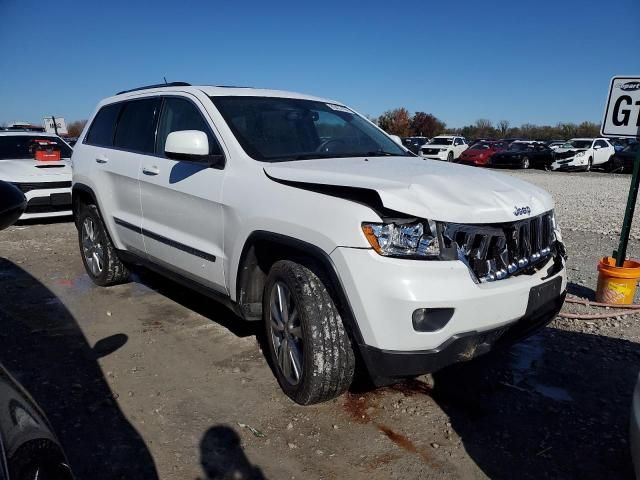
(503, 127)
(75, 128)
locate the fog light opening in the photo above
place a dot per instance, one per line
(431, 319)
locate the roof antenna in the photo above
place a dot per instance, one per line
(165, 80)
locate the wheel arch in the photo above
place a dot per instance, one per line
(262, 249)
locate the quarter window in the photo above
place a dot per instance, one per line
(135, 130)
(103, 126)
(180, 114)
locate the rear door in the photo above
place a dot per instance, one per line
(121, 134)
(602, 153)
(181, 200)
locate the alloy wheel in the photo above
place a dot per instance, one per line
(92, 247)
(286, 332)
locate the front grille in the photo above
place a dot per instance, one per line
(26, 187)
(496, 252)
(568, 154)
(430, 151)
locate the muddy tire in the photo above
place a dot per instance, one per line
(98, 254)
(309, 348)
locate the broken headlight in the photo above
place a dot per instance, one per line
(413, 239)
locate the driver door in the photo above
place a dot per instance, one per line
(181, 201)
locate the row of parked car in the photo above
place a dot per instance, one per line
(574, 154)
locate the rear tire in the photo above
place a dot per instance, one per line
(309, 348)
(97, 251)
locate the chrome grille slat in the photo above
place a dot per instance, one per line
(496, 252)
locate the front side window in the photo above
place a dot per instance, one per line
(104, 126)
(275, 129)
(23, 147)
(601, 144)
(180, 114)
(135, 130)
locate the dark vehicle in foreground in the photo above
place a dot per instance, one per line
(480, 153)
(29, 450)
(523, 155)
(414, 143)
(622, 161)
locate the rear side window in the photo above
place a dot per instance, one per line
(136, 126)
(180, 114)
(103, 126)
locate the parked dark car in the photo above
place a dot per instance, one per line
(623, 160)
(29, 450)
(523, 155)
(414, 143)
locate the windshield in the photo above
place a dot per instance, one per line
(22, 147)
(481, 146)
(519, 147)
(275, 129)
(579, 144)
(441, 141)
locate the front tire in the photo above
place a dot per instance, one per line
(450, 157)
(97, 251)
(589, 165)
(526, 163)
(309, 348)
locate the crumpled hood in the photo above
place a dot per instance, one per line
(424, 188)
(20, 170)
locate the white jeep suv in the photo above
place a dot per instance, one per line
(444, 147)
(298, 212)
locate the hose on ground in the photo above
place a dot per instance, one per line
(628, 310)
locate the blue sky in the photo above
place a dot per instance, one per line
(539, 62)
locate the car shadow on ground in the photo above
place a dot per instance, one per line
(222, 456)
(554, 406)
(581, 291)
(201, 304)
(42, 345)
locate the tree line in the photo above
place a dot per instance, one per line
(400, 122)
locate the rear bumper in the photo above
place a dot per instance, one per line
(542, 308)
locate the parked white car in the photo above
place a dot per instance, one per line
(39, 165)
(582, 154)
(444, 147)
(300, 213)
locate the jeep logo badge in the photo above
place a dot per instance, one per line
(521, 211)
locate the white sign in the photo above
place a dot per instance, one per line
(622, 113)
(50, 128)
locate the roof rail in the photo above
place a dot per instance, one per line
(158, 85)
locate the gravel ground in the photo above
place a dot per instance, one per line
(148, 380)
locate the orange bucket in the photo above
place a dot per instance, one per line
(617, 285)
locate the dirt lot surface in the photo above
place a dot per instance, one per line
(148, 380)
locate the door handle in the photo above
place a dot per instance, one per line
(150, 170)
(102, 160)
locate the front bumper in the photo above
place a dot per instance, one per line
(384, 292)
(47, 202)
(542, 308)
(571, 163)
(435, 156)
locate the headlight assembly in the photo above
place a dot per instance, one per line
(580, 154)
(415, 239)
(443, 149)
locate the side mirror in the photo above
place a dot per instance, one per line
(12, 204)
(597, 147)
(190, 146)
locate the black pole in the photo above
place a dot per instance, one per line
(55, 127)
(621, 253)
